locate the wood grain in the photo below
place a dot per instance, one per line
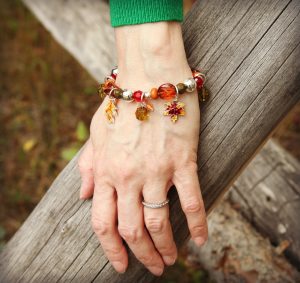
(250, 50)
(268, 195)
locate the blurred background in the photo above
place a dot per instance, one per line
(47, 102)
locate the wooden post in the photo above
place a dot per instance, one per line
(250, 52)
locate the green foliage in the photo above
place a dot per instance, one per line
(90, 90)
(183, 272)
(69, 152)
(82, 132)
(2, 236)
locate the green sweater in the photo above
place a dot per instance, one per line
(130, 12)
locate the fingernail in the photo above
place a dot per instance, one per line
(169, 260)
(157, 270)
(199, 241)
(119, 266)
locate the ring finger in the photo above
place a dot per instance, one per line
(131, 228)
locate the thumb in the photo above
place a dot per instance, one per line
(85, 165)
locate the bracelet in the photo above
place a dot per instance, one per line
(166, 91)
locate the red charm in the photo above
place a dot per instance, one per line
(108, 85)
(137, 95)
(174, 109)
(166, 91)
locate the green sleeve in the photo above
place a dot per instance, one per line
(130, 12)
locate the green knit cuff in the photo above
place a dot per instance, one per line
(130, 12)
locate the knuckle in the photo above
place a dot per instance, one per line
(81, 165)
(167, 248)
(101, 228)
(199, 230)
(155, 224)
(161, 167)
(192, 206)
(187, 168)
(147, 259)
(125, 174)
(113, 252)
(130, 234)
(192, 166)
(99, 174)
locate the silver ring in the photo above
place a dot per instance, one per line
(155, 204)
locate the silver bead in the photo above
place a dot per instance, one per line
(190, 84)
(147, 94)
(127, 94)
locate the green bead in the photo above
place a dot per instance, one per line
(181, 88)
(117, 93)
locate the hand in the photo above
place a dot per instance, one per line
(128, 161)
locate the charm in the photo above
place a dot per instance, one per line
(174, 109)
(203, 94)
(149, 106)
(111, 110)
(142, 112)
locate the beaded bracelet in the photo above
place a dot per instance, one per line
(166, 91)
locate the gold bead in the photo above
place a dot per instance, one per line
(181, 88)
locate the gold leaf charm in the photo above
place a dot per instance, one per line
(101, 92)
(111, 110)
(174, 109)
(142, 113)
(149, 106)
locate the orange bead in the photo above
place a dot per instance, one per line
(167, 91)
(153, 93)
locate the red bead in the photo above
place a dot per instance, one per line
(196, 73)
(114, 76)
(137, 95)
(199, 81)
(166, 91)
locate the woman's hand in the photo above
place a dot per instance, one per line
(128, 161)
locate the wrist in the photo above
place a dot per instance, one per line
(151, 52)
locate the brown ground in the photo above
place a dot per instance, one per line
(47, 101)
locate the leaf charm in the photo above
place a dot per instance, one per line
(142, 113)
(174, 109)
(111, 110)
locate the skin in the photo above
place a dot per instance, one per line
(128, 161)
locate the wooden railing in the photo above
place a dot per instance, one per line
(250, 52)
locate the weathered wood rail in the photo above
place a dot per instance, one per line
(250, 51)
(268, 195)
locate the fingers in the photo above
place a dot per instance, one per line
(85, 165)
(131, 228)
(157, 222)
(104, 221)
(188, 188)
